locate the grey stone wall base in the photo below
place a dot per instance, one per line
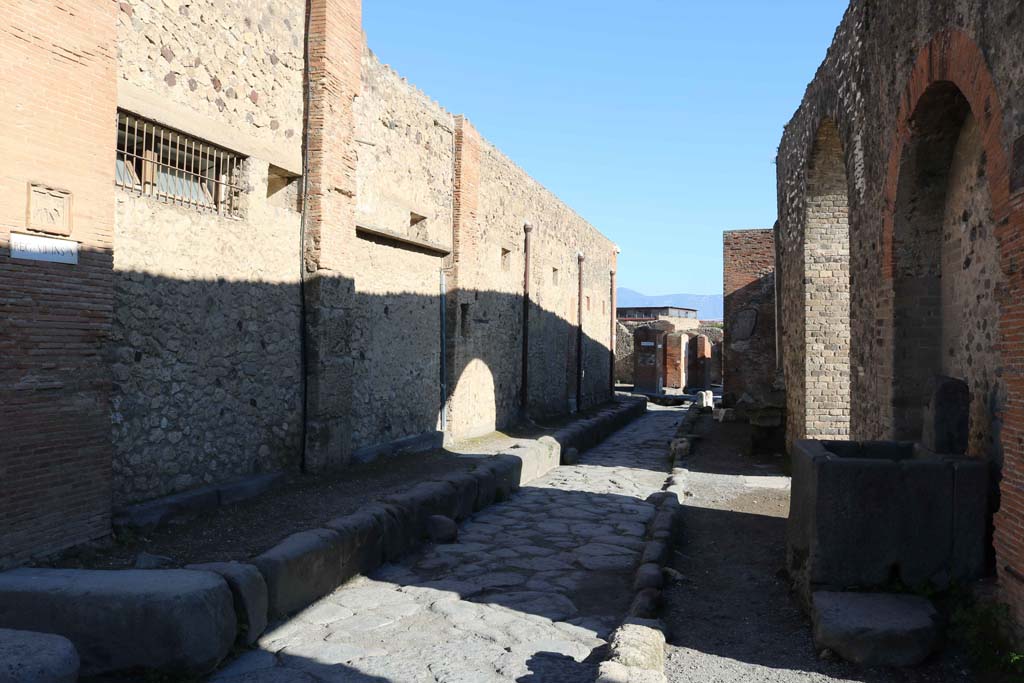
(176, 621)
(155, 513)
(418, 443)
(37, 657)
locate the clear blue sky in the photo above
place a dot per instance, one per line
(656, 120)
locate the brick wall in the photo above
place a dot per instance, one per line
(57, 115)
(749, 353)
(335, 50)
(920, 107)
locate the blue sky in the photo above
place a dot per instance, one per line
(656, 120)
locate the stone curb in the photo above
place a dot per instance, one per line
(636, 652)
(307, 565)
(230, 600)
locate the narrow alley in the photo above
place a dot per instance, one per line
(731, 616)
(528, 593)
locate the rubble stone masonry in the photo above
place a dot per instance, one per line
(749, 355)
(900, 182)
(205, 346)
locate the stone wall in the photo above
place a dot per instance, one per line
(404, 188)
(303, 329)
(749, 347)
(495, 199)
(232, 68)
(59, 102)
(205, 347)
(916, 120)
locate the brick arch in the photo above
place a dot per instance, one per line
(826, 272)
(800, 342)
(952, 57)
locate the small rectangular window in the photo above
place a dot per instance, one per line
(159, 162)
(506, 259)
(554, 276)
(588, 303)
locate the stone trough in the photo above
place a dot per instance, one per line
(873, 514)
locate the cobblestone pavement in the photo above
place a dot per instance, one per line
(732, 619)
(528, 593)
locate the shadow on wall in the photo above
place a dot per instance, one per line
(749, 365)
(208, 374)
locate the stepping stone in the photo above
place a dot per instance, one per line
(875, 629)
(37, 657)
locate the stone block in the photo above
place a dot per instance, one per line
(656, 552)
(423, 501)
(249, 591)
(570, 456)
(506, 471)
(639, 644)
(174, 621)
(926, 527)
(648, 576)
(487, 486)
(947, 416)
(365, 533)
(302, 568)
(875, 629)
(442, 529)
(646, 604)
(466, 487)
(970, 517)
(29, 657)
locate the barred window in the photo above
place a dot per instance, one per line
(160, 162)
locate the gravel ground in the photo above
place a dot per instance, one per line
(731, 617)
(528, 593)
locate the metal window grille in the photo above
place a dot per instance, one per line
(159, 162)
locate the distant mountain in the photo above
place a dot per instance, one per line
(709, 306)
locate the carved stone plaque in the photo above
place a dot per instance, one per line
(49, 210)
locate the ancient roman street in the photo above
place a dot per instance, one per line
(530, 591)
(523, 342)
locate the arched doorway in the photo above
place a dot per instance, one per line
(945, 267)
(827, 290)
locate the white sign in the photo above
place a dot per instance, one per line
(646, 343)
(37, 248)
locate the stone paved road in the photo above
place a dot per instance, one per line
(528, 593)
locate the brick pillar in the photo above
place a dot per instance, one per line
(335, 45)
(465, 238)
(57, 114)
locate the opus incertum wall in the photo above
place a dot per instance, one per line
(916, 120)
(338, 290)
